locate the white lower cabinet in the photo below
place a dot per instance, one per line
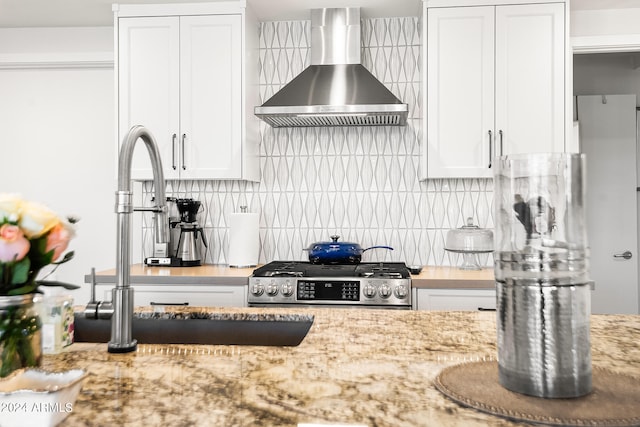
(454, 299)
(184, 295)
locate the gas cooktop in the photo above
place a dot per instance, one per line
(307, 269)
(370, 284)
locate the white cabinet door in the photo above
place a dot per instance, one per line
(530, 78)
(460, 91)
(455, 299)
(495, 84)
(211, 96)
(148, 88)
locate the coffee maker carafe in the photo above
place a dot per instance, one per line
(192, 244)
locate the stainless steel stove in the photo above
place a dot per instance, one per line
(369, 284)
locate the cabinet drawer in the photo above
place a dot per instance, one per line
(193, 296)
(456, 299)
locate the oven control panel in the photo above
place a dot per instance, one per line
(330, 291)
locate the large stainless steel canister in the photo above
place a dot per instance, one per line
(542, 275)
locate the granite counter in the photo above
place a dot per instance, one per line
(443, 277)
(355, 367)
(434, 277)
(200, 275)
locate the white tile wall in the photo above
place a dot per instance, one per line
(358, 182)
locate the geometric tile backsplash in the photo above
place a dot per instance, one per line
(361, 183)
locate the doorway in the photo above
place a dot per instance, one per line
(606, 86)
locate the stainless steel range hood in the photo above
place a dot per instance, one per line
(335, 90)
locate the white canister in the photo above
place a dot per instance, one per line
(244, 239)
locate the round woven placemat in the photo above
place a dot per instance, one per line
(614, 400)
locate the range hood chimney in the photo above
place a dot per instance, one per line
(336, 89)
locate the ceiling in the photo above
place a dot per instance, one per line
(90, 13)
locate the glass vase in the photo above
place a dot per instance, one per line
(20, 334)
(542, 275)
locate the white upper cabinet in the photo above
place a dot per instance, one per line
(184, 75)
(495, 84)
(530, 77)
(210, 97)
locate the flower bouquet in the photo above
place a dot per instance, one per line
(31, 237)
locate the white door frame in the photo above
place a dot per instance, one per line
(606, 44)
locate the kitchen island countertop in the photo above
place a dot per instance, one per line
(430, 277)
(355, 367)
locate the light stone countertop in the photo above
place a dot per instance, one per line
(201, 275)
(355, 366)
(431, 276)
(452, 278)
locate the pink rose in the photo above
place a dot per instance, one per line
(13, 245)
(58, 240)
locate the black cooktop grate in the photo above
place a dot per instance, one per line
(307, 269)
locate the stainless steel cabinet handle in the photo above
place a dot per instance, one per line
(184, 166)
(168, 303)
(625, 255)
(490, 148)
(501, 151)
(173, 151)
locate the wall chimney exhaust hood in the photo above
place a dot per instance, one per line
(336, 89)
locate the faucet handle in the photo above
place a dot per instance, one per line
(97, 309)
(155, 209)
(105, 310)
(91, 310)
(93, 285)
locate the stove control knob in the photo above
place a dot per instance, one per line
(401, 291)
(257, 289)
(385, 290)
(369, 290)
(287, 289)
(272, 289)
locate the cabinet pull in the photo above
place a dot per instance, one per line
(184, 166)
(173, 151)
(490, 148)
(168, 303)
(486, 309)
(501, 151)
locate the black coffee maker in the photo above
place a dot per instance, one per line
(192, 245)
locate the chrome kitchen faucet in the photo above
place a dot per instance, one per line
(122, 295)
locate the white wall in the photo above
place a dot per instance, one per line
(358, 182)
(605, 29)
(57, 139)
(598, 22)
(604, 21)
(81, 42)
(607, 73)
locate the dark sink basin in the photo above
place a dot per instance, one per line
(203, 328)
